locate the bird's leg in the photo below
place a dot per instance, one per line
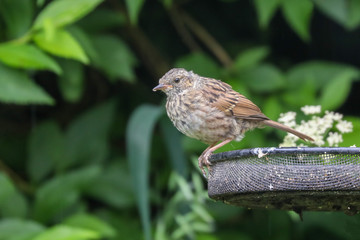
(204, 157)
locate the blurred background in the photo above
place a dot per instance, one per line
(86, 149)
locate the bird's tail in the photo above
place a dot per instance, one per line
(280, 126)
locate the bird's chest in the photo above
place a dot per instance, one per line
(195, 117)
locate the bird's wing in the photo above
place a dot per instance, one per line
(224, 98)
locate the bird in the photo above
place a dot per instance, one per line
(209, 110)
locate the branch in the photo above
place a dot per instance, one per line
(207, 39)
(182, 30)
(150, 56)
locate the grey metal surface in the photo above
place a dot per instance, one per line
(326, 179)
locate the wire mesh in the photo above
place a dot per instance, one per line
(288, 178)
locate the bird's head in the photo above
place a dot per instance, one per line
(176, 81)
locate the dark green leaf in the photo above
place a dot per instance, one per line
(61, 43)
(199, 63)
(27, 56)
(127, 227)
(168, 3)
(263, 78)
(320, 72)
(250, 58)
(346, 12)
(265, 10)
(114, 186)
(138, 138)
(304, 94)
(12, 203)
(64, 12)
(172, 139)
(134, 7)
(354, 14)
(86, 137)
(18, 229)
(272, 107)
(335, 92)
(17, 88)
(40, 3)
(85, 40)
(61, 232)
(17, 15)
(15, 207)
(114, 58)
(298, 15)
(90, 222)
(109, 20)
(46, 150)
(72, 81)
(63, 192)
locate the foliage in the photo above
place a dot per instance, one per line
(86, 149)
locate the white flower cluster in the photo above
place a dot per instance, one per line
(319, 128)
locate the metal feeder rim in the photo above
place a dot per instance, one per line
(258, 152)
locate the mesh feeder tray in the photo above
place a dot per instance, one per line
(299, 179)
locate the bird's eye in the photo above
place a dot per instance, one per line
(176, 80)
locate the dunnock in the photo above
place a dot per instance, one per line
(211, 111)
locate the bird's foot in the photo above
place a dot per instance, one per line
(204, 161)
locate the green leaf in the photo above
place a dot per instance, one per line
(199, 63)
(17, 88)
(12, 203)
(298, 15)
(90, 222)
(304, 94)
(352, 138)
(110, 19)
(265, 10)
(17, 15)
(114, 186)
(320, 72)
(134, 7)
(167, 3)
(335, 93)
(71, 82)
(272, 107)
(346, 12)
(61, 232)
(64, 12)
(85, 40)
(46, 149)
(18, 229)
(138, 139)
(40, 3)
(27, 56)
(263, 78)
(354, 14)
(127, 227)
(172, 139)
(61, 43)
(250, 57)
(63, 192)
(114, 58)
(86, 143)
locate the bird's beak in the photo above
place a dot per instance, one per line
(161, 87)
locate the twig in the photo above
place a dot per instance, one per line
(182, 30)
(18, 181)
(207, 39)
(149, 54)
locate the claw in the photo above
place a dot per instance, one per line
(204, 161)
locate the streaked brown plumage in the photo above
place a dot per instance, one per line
(211, 111)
